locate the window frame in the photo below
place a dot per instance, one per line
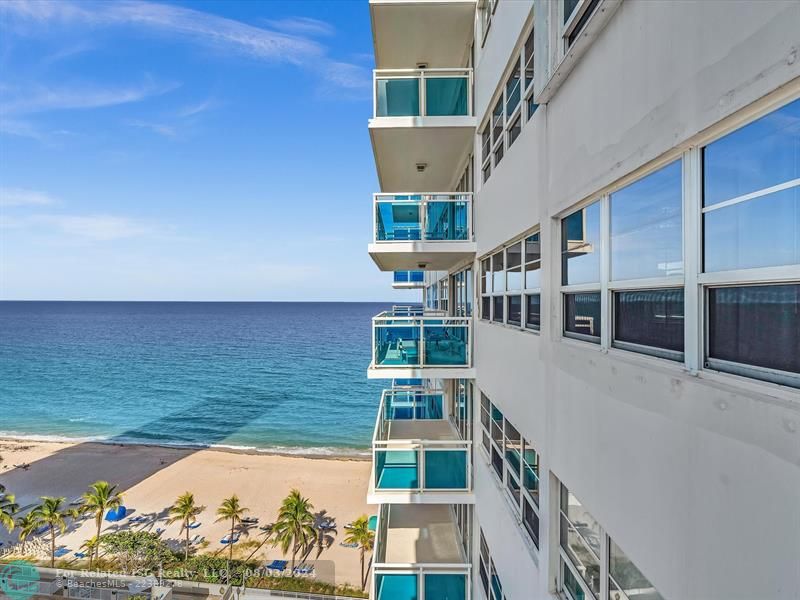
(694, 280)
(517, 505)
(522, 292)
(570, 27)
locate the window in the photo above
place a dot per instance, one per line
(462, 407)
(486, 152)
(527, 59)
(512, 288)
(513, 90)
(623, 576)
(576, 14)
(486, 13)
(514, 130)
(488, 574)
(751, 236)
(584, 567)
(643, 244)
(533, 261)
(443, 294)
(462, 288)
(515, 463)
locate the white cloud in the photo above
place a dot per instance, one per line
(195, 109)
(22, 197)
(100, 228)
(159, 128)
(40, 98)
(302, 26)
(290, 45)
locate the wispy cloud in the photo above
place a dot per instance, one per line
(160, 128)
(17, 101)
(302, 26)
(195, 109)
(291, 44)
(97, 227)
(12, 196)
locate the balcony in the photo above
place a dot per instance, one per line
(405, 280)
(417, 455)
(409, 33)
(419, 554)
(420, 344)
(422, 127)
(422, 231)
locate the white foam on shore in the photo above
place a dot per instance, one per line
(315, 451)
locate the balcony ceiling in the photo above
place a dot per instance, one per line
(398, 149)
(435, 256)
(406, 33)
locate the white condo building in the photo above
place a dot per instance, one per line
(599, 395)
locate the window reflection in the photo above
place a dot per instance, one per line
(650, 318)
(582, 315)
(759, 155)
(647, 228)
(626, 581)
(580, 246)
(755, 325)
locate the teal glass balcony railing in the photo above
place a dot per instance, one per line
(406, 568)
(414, 446)
(423, 93)
(409, 277)
(427, 340)
(423, 217)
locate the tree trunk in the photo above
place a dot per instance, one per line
(186, 554)
(52, 546)
(363, 579)
(230, 552)
(99, 521)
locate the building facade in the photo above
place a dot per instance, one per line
(599, 396)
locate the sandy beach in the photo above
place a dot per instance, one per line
(151, 477)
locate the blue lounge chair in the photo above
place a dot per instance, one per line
(227, 540)
(138, 519)
(194, 525)
(80, 555)
(277, 565)
(62, 552)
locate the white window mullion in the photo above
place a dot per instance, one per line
(692, 260)
(605, 272)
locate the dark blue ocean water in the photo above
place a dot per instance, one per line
(286, 376)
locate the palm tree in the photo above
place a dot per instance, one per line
(89, 547)
(27, 525)
(100, 497)
(359, 533)
(52, 513)
(185, 511)
(231, 509)
(294, 527)
(8, 508)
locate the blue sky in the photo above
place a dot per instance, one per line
(186, 151)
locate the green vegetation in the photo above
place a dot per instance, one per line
(231, 509)
(53, 514)
(8, 508)
(137, 551)
(359, 533)
(100, 497)
(185, 511)
(294, 527)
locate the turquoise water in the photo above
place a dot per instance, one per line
(273, 376)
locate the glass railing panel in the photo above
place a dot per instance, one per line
(408, 382)
(446, 96)
(447, 221)
(397, 97)
(446, 469)
(397, 344)
(409, 276)
(445, 586)
(397, 586)
(446, 345)
(396, 469)
(408, 405)
(398, 221)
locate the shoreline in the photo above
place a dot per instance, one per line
(310, 452)
(150, 478)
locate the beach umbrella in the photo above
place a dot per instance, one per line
(116, 514)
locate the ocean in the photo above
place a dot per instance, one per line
(270, 376)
